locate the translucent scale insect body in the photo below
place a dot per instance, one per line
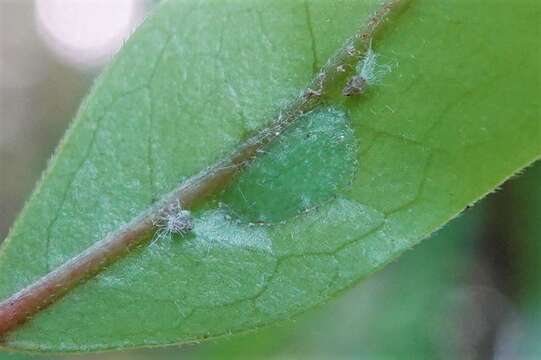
(368, 73)
(173, 220)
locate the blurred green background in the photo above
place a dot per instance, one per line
(472, 291)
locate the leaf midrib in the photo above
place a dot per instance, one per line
(20, 306)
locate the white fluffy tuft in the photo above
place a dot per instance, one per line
(174, 220)
(369, 69)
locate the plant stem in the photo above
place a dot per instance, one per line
(18, 308)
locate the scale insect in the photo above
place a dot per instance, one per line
(369, 73)
(173, 220)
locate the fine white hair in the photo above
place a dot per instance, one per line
(369, 69)
(173, 220)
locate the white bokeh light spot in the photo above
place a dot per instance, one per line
(86, 32)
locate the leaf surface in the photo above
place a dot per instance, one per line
(388, 316)
(458, 114)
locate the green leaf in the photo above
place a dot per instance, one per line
(457, 115)
(389, 317)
